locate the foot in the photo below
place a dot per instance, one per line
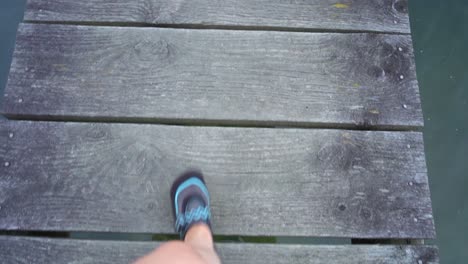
(190, 202)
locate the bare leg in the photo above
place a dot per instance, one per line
(198, 248)
(176, 252)
(199, 237)
(191, 207)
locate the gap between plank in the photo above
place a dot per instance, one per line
(124, 236)
(204, 27)
(284, 240)
(215, 123)
(388, 241)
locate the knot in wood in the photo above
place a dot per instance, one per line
(336, 156)
(365, 213)
(96, 133)
(401, 6)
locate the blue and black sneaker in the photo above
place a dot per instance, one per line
(190, 202)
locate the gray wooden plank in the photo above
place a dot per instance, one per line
(376, 15)
(16, 250)
(217, 76)
(263, 181)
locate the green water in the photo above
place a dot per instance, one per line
(440, 35)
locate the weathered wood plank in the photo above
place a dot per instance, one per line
(250, 77)
(292, 182)
(16, 250)
(376, 15)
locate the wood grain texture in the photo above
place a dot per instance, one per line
(235, 77)
(376, 15)
(19, 250)
(292, 182)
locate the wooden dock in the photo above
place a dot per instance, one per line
(304, 116)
